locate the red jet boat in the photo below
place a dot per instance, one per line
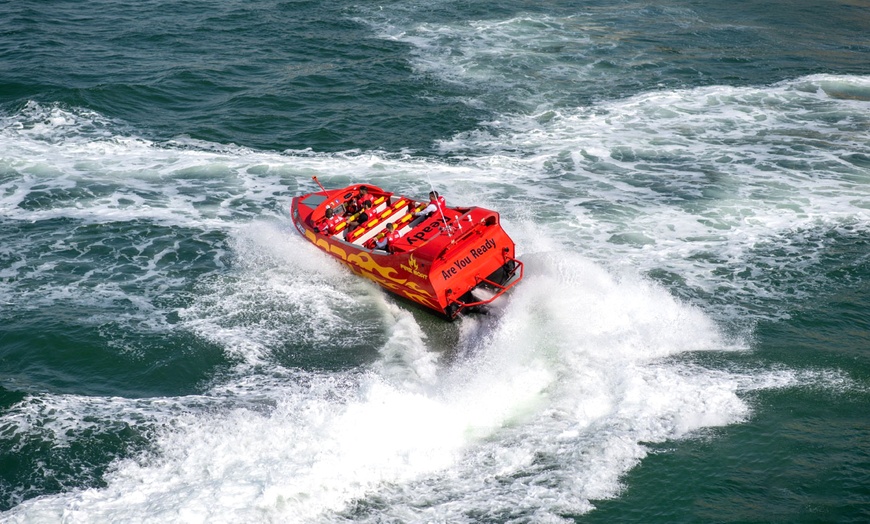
(437, 262)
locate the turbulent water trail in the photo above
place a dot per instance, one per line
(687, 186)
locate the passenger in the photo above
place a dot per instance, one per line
(386, 243)
(362, 218)
(436, 205)
(327, 225)
(355, 204)
(351, 207)
(364, 196)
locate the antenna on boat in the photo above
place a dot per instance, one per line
(321, 186)
(440, 211)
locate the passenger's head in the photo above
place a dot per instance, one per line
(391, 226)
(367, 204)
(329, 212)
(363, 190)
(433, 195)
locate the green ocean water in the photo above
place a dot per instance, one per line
(688, 185)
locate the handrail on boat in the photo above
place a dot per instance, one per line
(501, 288)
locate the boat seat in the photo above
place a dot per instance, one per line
(381, 214)
(402, 223)
(376, 207)
(343, 224)
(376, 224)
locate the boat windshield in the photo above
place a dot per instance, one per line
(312, 201)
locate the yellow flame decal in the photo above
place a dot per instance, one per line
(410, 290)
(365, 265)
(386, 276)
(366, 262)
(322, 244)
(339, 251)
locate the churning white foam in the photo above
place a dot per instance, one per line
(705, 184)
(728, 190)
(551, 399)
(110, 212)
(547, 403)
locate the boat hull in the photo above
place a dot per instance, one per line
(436, 263)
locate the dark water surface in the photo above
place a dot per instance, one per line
(688, 184)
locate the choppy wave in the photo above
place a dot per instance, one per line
(655, 226)
(562, 388)
(548, 404)
(700, 187)
(708, 185)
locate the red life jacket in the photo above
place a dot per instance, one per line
(441, 204)
(391, 237)
(328, 225)
(362, 199)
(440, 207)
